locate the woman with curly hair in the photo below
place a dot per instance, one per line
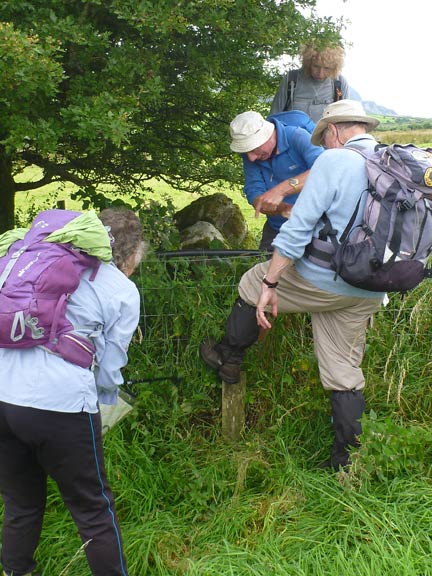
(315, 85)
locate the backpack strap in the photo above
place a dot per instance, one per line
(337, 84)
(396, 239)
(8, 268)
(292, 80)
(319, 250)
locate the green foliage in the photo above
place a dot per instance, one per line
(23, 217)
(30, 75)
(403, 123)
(392, 450)
(157, 217)
(118, 92)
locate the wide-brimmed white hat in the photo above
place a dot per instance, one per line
(342, 111)
(248, 131)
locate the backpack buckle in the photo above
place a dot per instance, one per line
(373, 192)
(405, 205)
(367, 230)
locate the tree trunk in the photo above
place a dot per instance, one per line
(7, 190)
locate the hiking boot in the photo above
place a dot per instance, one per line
(210, 355)
(228, 371)
(347, 410)
(330, 464)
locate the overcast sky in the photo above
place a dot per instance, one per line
(391, 54)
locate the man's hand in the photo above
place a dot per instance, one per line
(268, 297)
(269, 202)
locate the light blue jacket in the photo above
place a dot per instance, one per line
(36, 378)
(336, 182)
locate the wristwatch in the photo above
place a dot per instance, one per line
(294, 182)
(268, 283)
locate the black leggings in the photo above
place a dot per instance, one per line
(35, 444)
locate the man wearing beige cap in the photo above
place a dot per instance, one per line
(291, 282)
(276, 160)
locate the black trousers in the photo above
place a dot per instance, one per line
(68, 447)
(267, 236)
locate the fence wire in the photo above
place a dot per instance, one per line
(186, 297)
(202, 274)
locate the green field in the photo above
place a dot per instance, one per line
(48, 196)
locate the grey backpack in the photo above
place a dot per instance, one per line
(389, 249)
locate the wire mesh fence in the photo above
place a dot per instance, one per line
(186, 297)
(178, 288)
(198, 276)
(201, 274)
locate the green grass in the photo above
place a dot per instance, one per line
(193, 504)
(48, 197)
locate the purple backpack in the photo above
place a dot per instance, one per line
(36, 280)
(389, 249)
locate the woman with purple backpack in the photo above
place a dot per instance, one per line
(50, 423)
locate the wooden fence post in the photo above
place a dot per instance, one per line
(233, 409)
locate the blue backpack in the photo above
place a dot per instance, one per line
(294, 118)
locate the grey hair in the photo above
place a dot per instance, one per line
(126, 230)
(350, 124)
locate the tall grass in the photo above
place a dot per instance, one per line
(192, 504)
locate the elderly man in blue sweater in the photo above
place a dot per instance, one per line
(277, 154)
(290, 282)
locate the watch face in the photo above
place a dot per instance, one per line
(293, 181)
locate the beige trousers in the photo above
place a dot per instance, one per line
(339, 323)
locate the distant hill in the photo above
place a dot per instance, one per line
(372, 107)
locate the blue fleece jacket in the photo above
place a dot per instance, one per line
(295, 155)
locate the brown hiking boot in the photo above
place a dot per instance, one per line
(228, 371)
(210, 355)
